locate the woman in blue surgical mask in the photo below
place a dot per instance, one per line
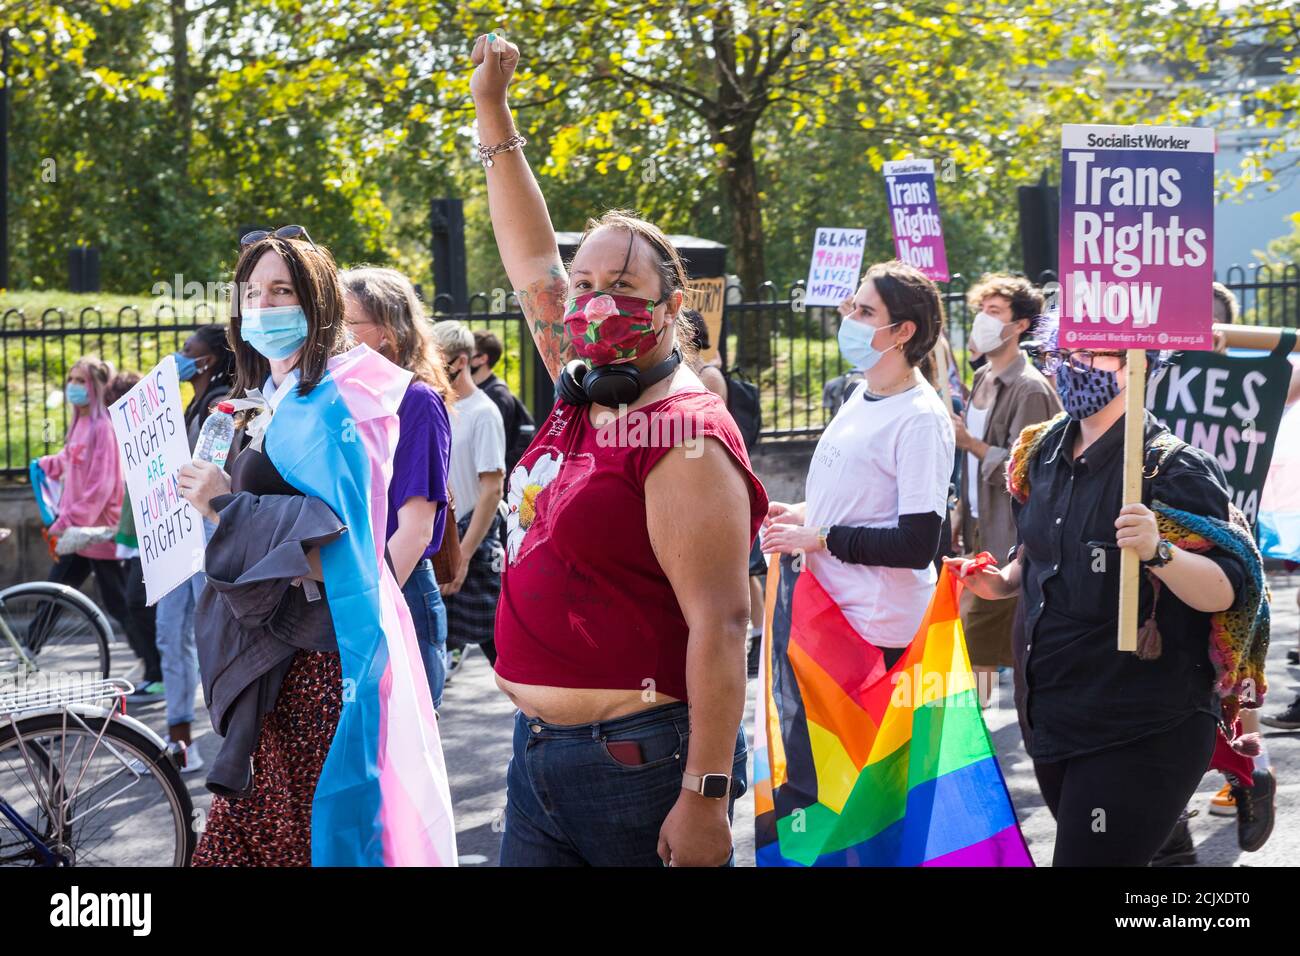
(275, 334)
(306, 509)
(286, 322)
(877, 488)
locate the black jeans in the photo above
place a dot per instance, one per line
(141, 630)
(1118, 806)
(110, 576)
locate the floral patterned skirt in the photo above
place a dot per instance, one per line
(272, 826)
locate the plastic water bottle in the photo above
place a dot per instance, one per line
(216, 435)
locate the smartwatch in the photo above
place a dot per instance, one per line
(715, 786)
(822, 534)
(1164, 554)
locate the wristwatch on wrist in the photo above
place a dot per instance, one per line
(822, 533)
(715, 786)
(1164, 554)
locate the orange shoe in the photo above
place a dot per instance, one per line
(1223, 804)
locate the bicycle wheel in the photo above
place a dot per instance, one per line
(95, 795)
(57, 628)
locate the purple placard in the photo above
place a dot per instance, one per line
(914, 216)
(1137, 234)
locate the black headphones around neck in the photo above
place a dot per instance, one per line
(611, 385)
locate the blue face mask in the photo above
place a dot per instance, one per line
(857, 343)
(77, 394)
(186, 367)
(276, 333)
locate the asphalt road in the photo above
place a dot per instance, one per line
(476, 725)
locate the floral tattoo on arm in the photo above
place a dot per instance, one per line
(543, 306)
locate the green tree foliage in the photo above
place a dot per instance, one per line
(171, 123)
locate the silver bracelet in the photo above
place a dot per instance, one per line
(485, 153)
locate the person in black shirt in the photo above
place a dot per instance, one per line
(514, 414)
(1119, 742)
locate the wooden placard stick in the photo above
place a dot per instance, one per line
(1251, 336)
(1130, 565)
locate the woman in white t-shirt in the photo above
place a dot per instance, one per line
(878, 482)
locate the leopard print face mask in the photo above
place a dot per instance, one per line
(1084, 394)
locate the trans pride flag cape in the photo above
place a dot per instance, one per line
(382, 798)
(858, 766)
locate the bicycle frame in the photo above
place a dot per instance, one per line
(10, 814)
(25, 660)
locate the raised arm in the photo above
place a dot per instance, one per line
(520, 220)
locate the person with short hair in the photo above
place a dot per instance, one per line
(476, 476)
(1008, 396)
(207, 362)
(516, 420)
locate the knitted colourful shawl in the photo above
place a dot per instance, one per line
(1239, 635)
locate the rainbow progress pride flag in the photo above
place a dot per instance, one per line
(857, 765)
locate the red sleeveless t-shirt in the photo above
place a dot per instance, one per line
(584, 602)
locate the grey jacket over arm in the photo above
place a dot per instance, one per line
(251, 618)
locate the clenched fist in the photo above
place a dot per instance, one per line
(494, 65)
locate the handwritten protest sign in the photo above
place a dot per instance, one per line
(914, 216)
(1137, 230)
(836, 265)
(150, 427)
(1230, 407)
(707, 299)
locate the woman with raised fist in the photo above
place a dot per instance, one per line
(625, 602)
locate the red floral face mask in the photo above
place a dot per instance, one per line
(606, 328)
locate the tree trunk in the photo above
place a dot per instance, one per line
(182, 88)
(740, 180)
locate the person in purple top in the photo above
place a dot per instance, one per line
(383, 312)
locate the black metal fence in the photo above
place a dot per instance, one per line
(37, 351)
(805, 354)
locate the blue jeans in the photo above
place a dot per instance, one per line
(570, 803)
(429, 615)
(174, 630)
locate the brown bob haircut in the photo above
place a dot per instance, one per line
(910, 296)
(315, 280)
